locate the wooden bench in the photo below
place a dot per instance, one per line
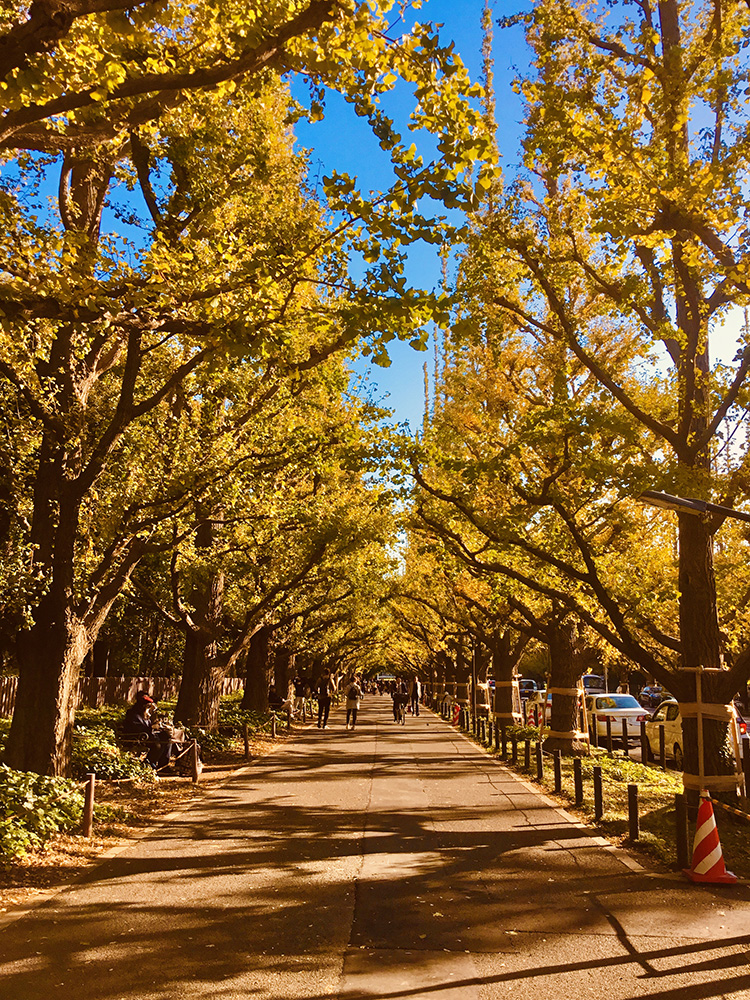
(187, 761)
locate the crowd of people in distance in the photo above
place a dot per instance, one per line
(406, 696)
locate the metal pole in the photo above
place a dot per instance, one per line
(513, 750)
(557, 760)
(246, 739)
(633, 825)
(598, 796)
(595, 717)
(578, 780)
(273, 726)
(527, 755)
(88, 805)
(662, 747)
(195, 762)
(681, 830)
(504, 733)
(539, 763)
(625, 741)
(497, 738)
(609, 734)
(644, 743)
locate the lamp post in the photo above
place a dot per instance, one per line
(687, 505)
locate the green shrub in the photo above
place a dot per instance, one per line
(95, 749)
(33, 808)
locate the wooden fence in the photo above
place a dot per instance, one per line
(93, 692)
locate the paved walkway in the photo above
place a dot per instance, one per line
(396, 863)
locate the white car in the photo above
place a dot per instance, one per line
(615, 707)
(668, 714)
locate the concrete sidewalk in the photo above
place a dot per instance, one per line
(387, 862)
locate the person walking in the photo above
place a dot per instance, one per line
(325, 688)
(415, 693)
(353, 698)
(299, 697)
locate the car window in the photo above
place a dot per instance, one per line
(613, 701)
(672, 712)
(659, 714)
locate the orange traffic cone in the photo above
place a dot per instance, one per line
(708, 860)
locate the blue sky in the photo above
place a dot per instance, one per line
(344, 142)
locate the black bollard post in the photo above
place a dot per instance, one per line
(681, 830)
(578, 780)
(633, 824)
(662, 748)
(745, 750)
(595, 730)
(513, 750)
(557, 762)
(497, 736)
(504, 732)
(598, 796)
(246, 739)
(527, 755)
(88, 805)
(609, 735)
(644, 743)
(539, 763)
(625, 740)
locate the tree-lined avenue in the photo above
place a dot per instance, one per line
(389, 862)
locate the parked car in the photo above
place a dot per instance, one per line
(527, 687)
(652, 695)
(594, 684)
(615, 707)
(668, 715)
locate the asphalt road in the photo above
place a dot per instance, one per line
(391, 862)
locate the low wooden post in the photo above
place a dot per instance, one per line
(625, 739)
(633, 820)
(246, 739)
(557, 761)
(504, 733)
(288, 718)
(681, 830)
(598, 795)
(88, 805)
(609, 734)
(273, 726)
(539, 763)
(644, 743)
(662, 747)
(497, 739)
(195, 762)
(595, 730)
(578, 780)
(527, 755)
(513, 750)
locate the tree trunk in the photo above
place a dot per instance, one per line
(565, 670)
(50, 657)
(203, 671)
(504, 662)
(283, 669)
(257, 678)
(201, 685)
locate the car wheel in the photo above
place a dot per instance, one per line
(679, 759)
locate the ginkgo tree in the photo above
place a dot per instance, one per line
(622, 239)
(181, 238)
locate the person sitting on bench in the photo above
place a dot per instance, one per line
(138, 724)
